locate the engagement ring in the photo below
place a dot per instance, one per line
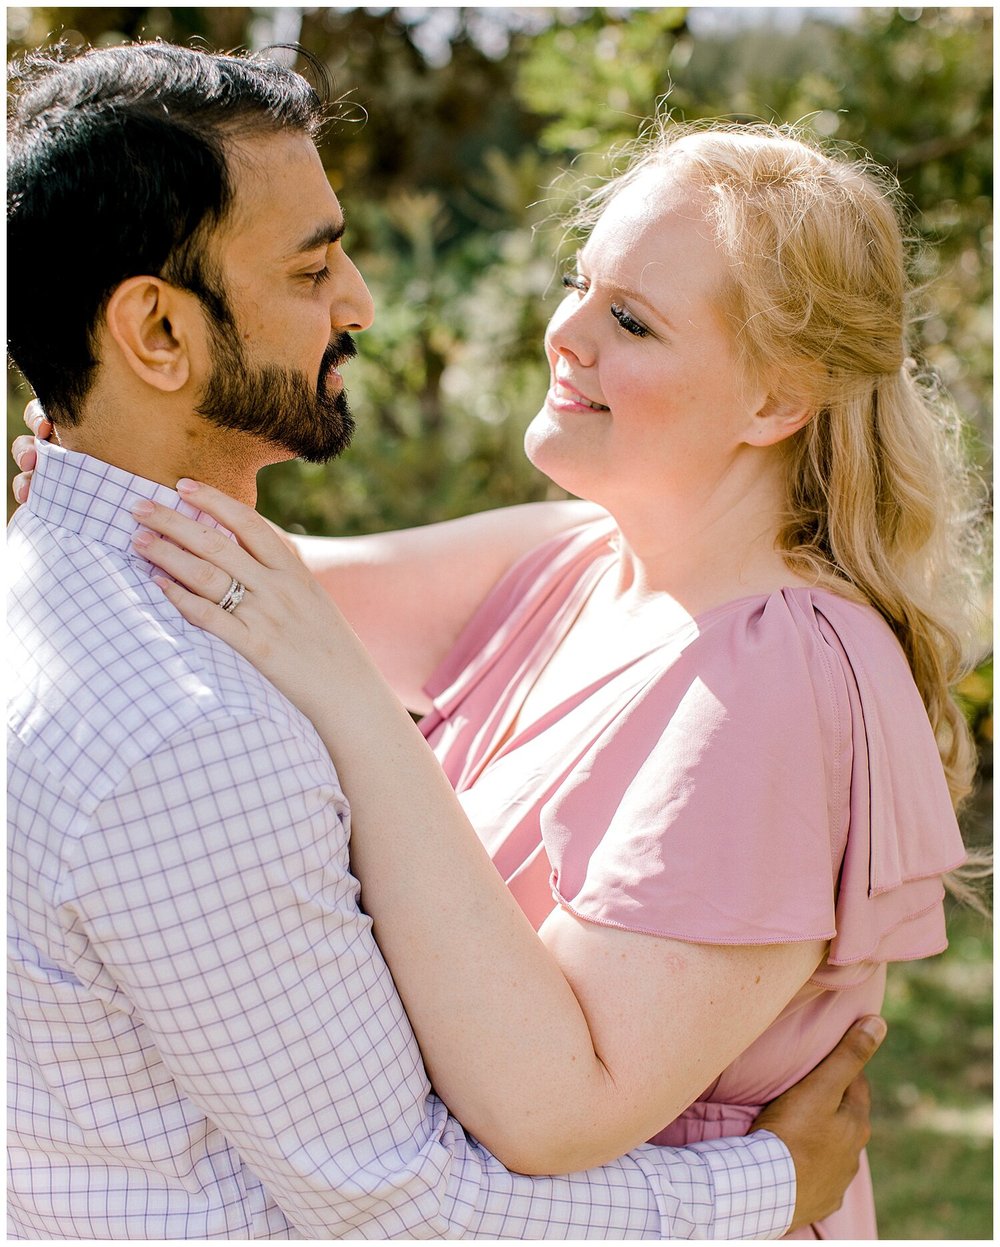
(233, 596)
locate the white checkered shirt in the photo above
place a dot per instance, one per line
(206, 1042)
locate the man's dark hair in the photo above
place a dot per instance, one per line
(117, 168)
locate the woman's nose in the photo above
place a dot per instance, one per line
(569, 333)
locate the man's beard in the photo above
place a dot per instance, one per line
(278, 405)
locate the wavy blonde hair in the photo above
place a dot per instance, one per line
(878, 492)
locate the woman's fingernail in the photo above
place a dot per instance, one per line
(186, 486)
(142, 539)
(142, 508)
(20, 491)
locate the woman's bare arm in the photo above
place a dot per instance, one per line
(556, 1054)
(408, 594)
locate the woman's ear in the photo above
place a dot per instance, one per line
(776, 420)
(149, 320)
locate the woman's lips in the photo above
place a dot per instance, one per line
(566, 397)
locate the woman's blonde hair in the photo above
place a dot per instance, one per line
(877, 487)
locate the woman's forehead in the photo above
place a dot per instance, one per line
(655, 209)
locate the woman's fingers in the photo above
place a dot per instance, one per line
(200, 577)
(36, 420)
(209, 555)
(200, 612)
(20, 486)
(252, 530)
(23, 449)
(25, 456)
(23, 452)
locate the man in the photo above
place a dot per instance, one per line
(206, 1041)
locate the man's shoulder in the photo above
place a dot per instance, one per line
(104, 672)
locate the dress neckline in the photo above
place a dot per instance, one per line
(504, 732)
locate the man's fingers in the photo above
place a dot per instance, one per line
(857, 1103)
(858, 1095)
(864, 1039)
(851, 1055)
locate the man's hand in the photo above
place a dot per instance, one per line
(824, 1122)
(23, 448)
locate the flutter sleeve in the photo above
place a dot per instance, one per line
(778, 782)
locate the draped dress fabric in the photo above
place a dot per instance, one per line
(766, 773)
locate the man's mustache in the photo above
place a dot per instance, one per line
(341, 349)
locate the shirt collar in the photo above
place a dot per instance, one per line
(93, 498)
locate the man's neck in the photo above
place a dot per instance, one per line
(162, 460)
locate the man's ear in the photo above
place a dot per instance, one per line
(151, 323)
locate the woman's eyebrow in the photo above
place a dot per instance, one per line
(633, 296)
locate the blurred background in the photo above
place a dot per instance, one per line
(463, 134)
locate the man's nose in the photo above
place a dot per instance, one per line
(352, 307)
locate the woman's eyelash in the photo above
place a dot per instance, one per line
(628, 322)
(574, 281)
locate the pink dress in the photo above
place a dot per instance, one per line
(765, 774)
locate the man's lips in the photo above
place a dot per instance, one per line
(332, 379)
(341, 349)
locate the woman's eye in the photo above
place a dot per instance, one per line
(628, 322)
(573, 281)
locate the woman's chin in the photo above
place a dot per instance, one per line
(547, 448)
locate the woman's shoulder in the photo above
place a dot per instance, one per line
(803, 608)
(545, 573)
(903, 831)
(780, 780)
(802, 628)
(526, 596)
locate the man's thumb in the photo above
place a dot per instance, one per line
(862, 1041)
(837, 1071)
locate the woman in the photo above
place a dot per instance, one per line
(696, 731)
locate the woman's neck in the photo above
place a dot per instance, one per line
(702, 552)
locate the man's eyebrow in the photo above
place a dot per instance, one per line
(323, 236)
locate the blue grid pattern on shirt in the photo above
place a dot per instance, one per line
(205, 1041)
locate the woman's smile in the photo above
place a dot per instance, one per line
(566, 397)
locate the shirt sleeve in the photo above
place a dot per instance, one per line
(210, 904)
(779, 782)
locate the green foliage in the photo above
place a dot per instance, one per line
(453, 219)
(975, 696)
(932, 1080)
(438, 179)
(597, 75)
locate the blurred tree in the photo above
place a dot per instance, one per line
(455, 124)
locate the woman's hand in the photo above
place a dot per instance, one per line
(284, 620)
(23, 448)
(558, 1053)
